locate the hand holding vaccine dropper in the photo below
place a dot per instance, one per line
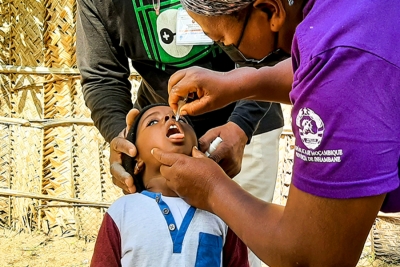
(213, 146)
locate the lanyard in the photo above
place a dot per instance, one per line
(156, 6)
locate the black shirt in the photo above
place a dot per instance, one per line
(111, 31)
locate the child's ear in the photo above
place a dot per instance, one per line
(138, 167)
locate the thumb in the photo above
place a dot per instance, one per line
(196, 153)
(165, 158)
(197, 107)
(207, 138)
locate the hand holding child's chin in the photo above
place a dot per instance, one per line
(192, 178)
(120, 145)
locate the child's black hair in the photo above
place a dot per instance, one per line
(128, 162)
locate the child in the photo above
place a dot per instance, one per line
(154, 227)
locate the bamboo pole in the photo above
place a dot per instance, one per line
(15, 193)
(46, 123)
(22, 122)
(43, 70)
(72, 205)
(36, 70)
(41, 183)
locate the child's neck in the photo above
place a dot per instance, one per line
(157, 184)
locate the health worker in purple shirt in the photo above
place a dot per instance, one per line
(343, 79)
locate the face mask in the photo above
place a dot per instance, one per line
(241, 61)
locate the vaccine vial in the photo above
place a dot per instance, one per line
(213, 146)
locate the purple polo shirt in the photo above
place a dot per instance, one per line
(346, 100)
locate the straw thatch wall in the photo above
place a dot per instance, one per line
(54, 173)
(54, 169)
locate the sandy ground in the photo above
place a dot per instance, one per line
(37, 250)
(28, 250)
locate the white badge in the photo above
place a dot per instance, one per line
(188, 32)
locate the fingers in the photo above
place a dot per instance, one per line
(165, 158)
(197, 107)
(130, 118)
(120, 176)
(122, 179)
(121, 145)
(175, 78)
(219, 154)
(177, 89)
(178, 94)
(189, 82)
(207, 138)
(130, 184)
(196, 153)
(228, 161)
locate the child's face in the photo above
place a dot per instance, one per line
(158, 128)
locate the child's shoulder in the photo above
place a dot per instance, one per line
(131, 201)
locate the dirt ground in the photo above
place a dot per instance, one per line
(37, 250)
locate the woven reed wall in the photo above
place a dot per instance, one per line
(54, 170)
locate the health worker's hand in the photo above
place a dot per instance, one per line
(192, 178)
(118, 146)
(210, 90)
(229, 153)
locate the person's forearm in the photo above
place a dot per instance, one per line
(244, 213)
(109, 107)
(104, 69)
(308, 231)
(272, 84)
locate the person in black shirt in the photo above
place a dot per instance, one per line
(110, 33)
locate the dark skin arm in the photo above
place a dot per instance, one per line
(218, 89)
(309, 231)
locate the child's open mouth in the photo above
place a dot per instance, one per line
(175, 133)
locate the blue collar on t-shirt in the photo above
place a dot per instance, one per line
(177, 235)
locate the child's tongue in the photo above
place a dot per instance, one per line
(176, 136)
